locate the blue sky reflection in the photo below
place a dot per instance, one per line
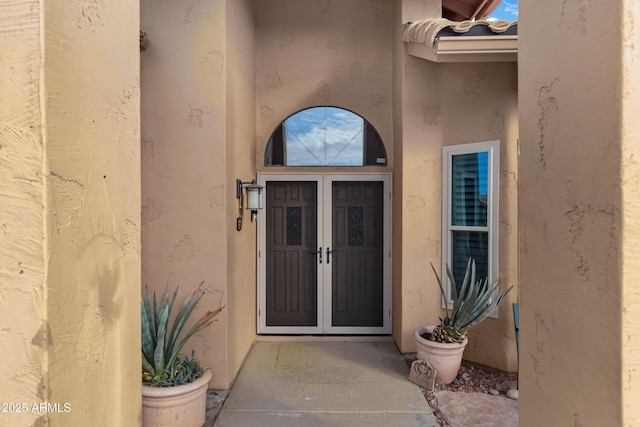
(324, 136)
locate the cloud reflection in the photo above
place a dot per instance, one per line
(324, 136)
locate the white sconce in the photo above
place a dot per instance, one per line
(253, 200)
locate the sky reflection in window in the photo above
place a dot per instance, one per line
(324, 136)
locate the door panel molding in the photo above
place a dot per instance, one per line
(327, 237)
(263, 328)
(324, 270)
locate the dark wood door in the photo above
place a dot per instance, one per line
(356, 256)
(292, 261)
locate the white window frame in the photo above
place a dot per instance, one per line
(493, 196)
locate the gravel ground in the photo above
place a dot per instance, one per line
(471, 378)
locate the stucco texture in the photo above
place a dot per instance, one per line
(340, 53)
(70, 260)
(92, 210)
(578, 213)
(22, 262)
(312, 53)
(449, 104)
(630, 180)
(198, 128)
(240, 151)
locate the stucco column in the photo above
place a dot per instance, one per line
(630, 184)
(70, 216)
(579, 205)
(22, 193)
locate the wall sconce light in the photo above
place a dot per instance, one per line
(254, 198)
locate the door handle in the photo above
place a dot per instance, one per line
(319, 252)
(329, 252)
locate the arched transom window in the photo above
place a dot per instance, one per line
(325, 136)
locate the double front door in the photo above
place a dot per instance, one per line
(324, 255)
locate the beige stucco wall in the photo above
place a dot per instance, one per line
(331, 53)
(630, 178)
(69, 132)
(198, 117)
(22, 195)
(449, 104)
(240, 151)
(578, 213)
(312, 53)
(438, 105)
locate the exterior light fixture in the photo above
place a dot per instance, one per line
(253, 200)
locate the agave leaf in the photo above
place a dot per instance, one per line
(475, 301)
(472, 300)
(490, 301)
(168, 343)
(147, 305)
(477, 305)
(155, 313)
(468, 290)
(148, 334)
(201, 323)
(458, 299)
(442, 293)
(160, 360)
(183, 314)
(158, 356)
(147, 366)
(489, 307)
(164, 300)
(205, 320)
(452, 281)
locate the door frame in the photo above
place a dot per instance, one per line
(324, 327)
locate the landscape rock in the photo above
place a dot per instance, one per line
(513, 394)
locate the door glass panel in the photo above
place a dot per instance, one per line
(355, 225)
(294, 226)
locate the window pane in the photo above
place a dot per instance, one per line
(325, 136)
(474, 244)
(469, 189)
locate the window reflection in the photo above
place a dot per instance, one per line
(325, 136)
(469, 189)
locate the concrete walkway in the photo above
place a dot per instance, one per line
(325, 383)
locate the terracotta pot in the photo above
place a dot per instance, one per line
(444, 357)
(180, 406)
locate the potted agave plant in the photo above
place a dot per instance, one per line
(174, 387)
(442, 345)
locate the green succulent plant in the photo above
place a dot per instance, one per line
(476, 301)
(161, 364)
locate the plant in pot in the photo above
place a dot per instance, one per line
(174, 387)
(442, 345)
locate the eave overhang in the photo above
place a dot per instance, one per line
(468, 49)
(441, 40)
